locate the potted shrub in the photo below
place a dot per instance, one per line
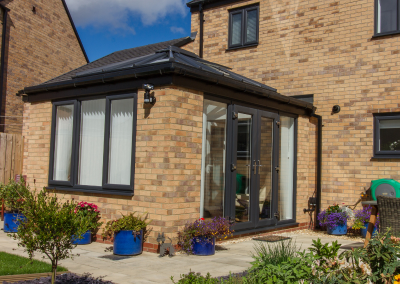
(90, 212)
(334, 219)
(198, 237)
(128, 233)
(13, 194)
(361, 220)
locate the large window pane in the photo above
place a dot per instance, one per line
(286, 172)
(92, 142)
(251, 31)
(265, 168)
(389, 132)
(387, 16)
(120, 157)
(213, 159)
(236, 29)
(63, 143)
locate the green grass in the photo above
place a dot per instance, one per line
(11, 264)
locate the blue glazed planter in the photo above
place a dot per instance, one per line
(203, 247)
(364, 231)
(11, 222)
(87, 239)
(126, 243)
(338, 230)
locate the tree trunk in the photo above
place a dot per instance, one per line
(53, 274)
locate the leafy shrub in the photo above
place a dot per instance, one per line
(49, 227)
(218, 227)
(14, 194)
(90, 212)
(127, 222)
(195, 278)
(273, 254)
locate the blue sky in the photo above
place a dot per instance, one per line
(106, 26)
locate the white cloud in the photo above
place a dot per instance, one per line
(114, 15)
(177, 30)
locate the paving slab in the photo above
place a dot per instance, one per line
(148, 268)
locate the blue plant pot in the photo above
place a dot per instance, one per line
(87, 239)
(364, 231)
(203, 246)
(126, 243)
(338, 230)
(12, 221)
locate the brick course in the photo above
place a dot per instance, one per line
(323, 48)
(41, 46)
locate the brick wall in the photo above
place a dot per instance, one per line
(41, 46)
(323, 48)
(168, 160)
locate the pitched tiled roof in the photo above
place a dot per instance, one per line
(120, 56)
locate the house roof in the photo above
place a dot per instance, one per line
(194, 4)
(122, 55)
(159, 68)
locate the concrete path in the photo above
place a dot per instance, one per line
(149, 268)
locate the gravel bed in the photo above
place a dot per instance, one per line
(68, 278)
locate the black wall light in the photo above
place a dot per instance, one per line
(336, 109)
(148, 98)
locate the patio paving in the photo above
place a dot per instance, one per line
(149, 268)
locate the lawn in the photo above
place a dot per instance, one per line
(11, 264)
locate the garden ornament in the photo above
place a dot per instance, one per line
(165, 247)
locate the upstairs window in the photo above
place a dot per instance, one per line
(243, 27)
(387, 17)
(387, 135)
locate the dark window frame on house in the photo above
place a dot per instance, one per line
(377, 136)
(72, 184)
(243, 12)
(378, 23)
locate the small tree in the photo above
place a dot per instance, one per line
(49, 227)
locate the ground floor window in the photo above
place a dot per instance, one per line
(92, 144)
(387, 135)
(248, 165)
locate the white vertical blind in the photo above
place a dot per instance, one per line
(236, 29)
(251, 32)
(286, 168)
(63, 143)
(92, 142)
(120, 157)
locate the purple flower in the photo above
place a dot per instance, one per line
(332, 219)
(362, 216)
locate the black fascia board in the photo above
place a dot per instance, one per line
(155, 70)
(75, 30)
(208, 4)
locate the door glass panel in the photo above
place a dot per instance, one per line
(265, 168)
(213, 159)
(243, 172)
(286, 174)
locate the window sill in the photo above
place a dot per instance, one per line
(385, 34)
(378, 157)
(94, 190)
(243, 46)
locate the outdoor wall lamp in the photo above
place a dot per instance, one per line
(336, 109)
(148, 98)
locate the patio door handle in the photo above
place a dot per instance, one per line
(255, 167)
(259, 165)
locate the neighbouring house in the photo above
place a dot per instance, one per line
(38, 42)
(308, 114)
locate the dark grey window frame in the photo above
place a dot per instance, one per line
(243, 11)
(377, 152)
(106, 188)
(397, 31)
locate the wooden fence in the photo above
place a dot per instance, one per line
(11, 155)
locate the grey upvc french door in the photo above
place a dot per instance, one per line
(251, 195)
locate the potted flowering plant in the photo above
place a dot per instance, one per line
(361, 220)
(13, 194)
(128, 233)
(334, 219)
(90, 212)
(199, 236)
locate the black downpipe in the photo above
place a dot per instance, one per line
(3, 55)
(319, 166)
(201, 28)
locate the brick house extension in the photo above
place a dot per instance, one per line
(340, 52)
(39, 41)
